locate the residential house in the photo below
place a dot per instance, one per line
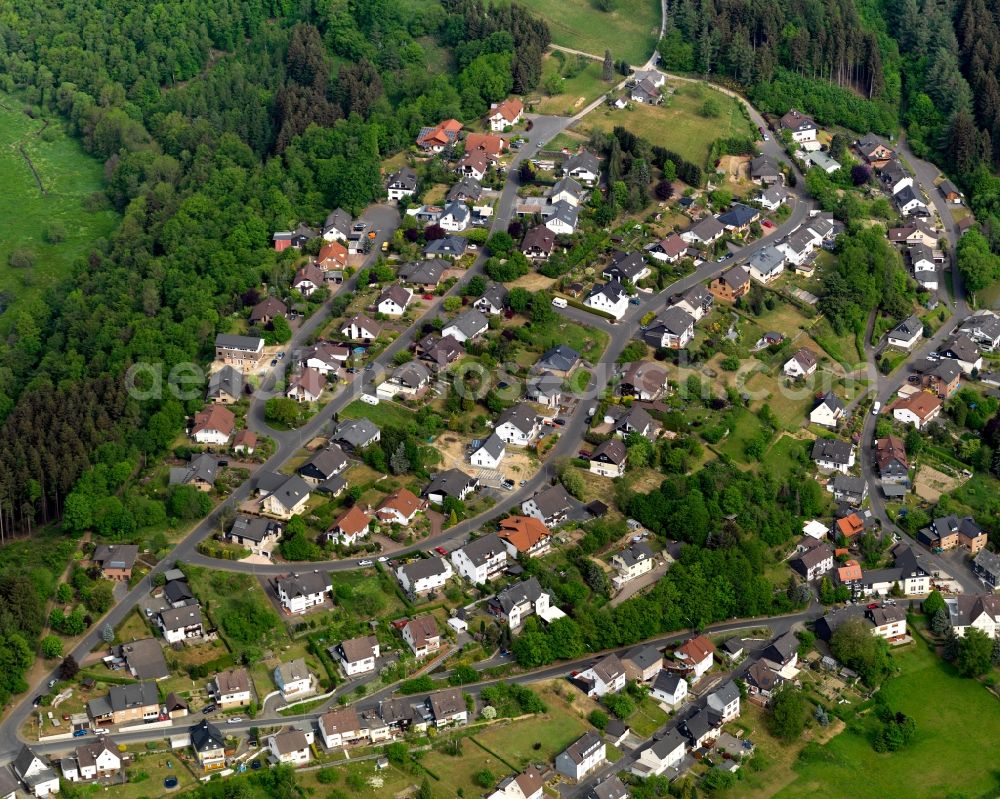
(393, 300)
(401, 183)
(890, 457)
(565, 190)
(326, 358)
(986, 565)
(132, 702)
(488, 144)
(673, 329)
(700, 729)
(644, 91)
(906, 334)
(584, 167)
(924, 266)
(801, 127)
(178, 594)
(342, 727)
(93, 761)
(296, 239)
(626, 268)
(488, 453)
(738, 218)
(915, 232)
(814, 562)
(467, 190)
(400, 507)
(663, 756)
(765, 265)
(467, 326)
(452, 483)
(583, 756)
(209, 746)
(819, 159)
(282, 496)
(213, 425)
(828, 411)
(356, 434)
(538, 243)
(524, 536)
(180, 624)
(332, 257)
(518, 425)
(876, 152)
(918, 409)
(350, 527)
(243, 352)
(526, 785)
(493, 301)
(908, 572)
(644, 380)
(983, 327)
(424, 274)
(981, 612)
(782, 652)
(948, 532)
(833, 454)
(358, 655)
(849, 526)
(771, 199)
(437, 138)
(732, 284)
(299, 592)
(632, 420)
(422, 636)
(291, 746)
(762, 680)
(294, 679)
(669, 249)
(481, 559)
(706, 231)
(440, 351)
(232, 688)
(544, 389)
(560, 360)
(884, 621)
(696, 656)
(408, 379)
(450, 247)
(670, 688)
(307, 279)
(115, 561)
(606, 676)
(337, 225)
(562, 219)
(909, 202)
(505, 115)
(852, 490)
(697, 301)
(801, 364)
(456, 216)
(551, 505)
(608, 458)
(609, 788)
(799, 245)
(306, 386)
(518, 601)
(632, 562)
(325, 464)
(245, 442)
(255, 533)
(225, 386)
(448, 707)
(765, 172)
(642, 663)
(361, 328)
(39, 778)
(724, 702)
(950, 192)
(144, 659)
(424, 575)
(962, 349)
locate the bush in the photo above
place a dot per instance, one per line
(21, 259)
(51, 647)
(598, 718)
(485, 778)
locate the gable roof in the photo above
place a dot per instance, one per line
(553, 500)
(707, 229)
(483, 549)
(539, 238)
(422, 629)
(353, 521)
(423, 568)
(695, 649)
(424, 273)
(834, 450)
(805, 358)
(355, 431)
(145, 659)
(613, 290)
(493, 445)
(738, 215)
(559, 358)
(214, 418)
(523, 532)
(396, 294)
(521, 416)
(613, 449)
(206, 737)
(470, 323)
(179, 618)
(584, 160)
(303, 585)
(362, 321)
(116, 556)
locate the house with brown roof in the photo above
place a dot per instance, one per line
(538, 243)
(696, 656)
(421, 634)
(352, 525)
(919, 409)
(488, 144)
(505, 115)
(644, 380)
(116, 561)
(524, 536)
(306, 386)
(358, 655)
(731, 284)
(232, 688)
(332, 256)
(213, 425)
(801, 364)
(400, 507)
(890, 457)
(442, 135)
(850, 525)
(267, 310)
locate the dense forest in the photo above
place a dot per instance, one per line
(203, 113)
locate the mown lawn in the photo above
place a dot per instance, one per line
(677, 124)
(458, 773)
(629, 31)
(68, 176)
(647, 718)
(578, 91)
(553, 731)
(385, 413)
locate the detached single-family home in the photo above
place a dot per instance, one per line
(493, 301)
(209, 746)
(772, 198)
(632, 562)
(437, 138)
(294, 679)
(706, 231)
(731, 284)
(918, 409)
(518, 425)
(924, 266)
(480, 560)
(643, 662)
(39, 778)
(489, 453)
(801, 364)
(424, 575)
(518, 601)
(331, 258)
(833, 454)
(765, 265)
(738, 218)
(895, 177)
(467, 190)
(306, 386)
(361, 328)
(505, 115)
(448, 707)
(697, 301)
(337, 225)
(93, 761)
(400, 507)
(876, 152)
(562, 219)
(401, 183)
(611, 298)
(467, 326)
(297, 239)
(566, 189)
(526, 785)
(450, 247)
(213, 425)
(701, 728)
(139, 702)
(393, 300)
(421, 634)
(538, 243)
(439, 351)
(906, 334)
(644, 380)
(584, 167)
(962, 349)
(814, 562)
(560, 360)
(115, 561)
(950, 192)
(799, 245)
(326, 358)
(307, 279)
(180, 624)
(828, 411)
(342, 727)
(664, 754)
(232, 688)
(802, 128)
(424, 274)
(607, 676)
(291, 746)
(299, 592)
(524, 536)
(646, 92)
(909, 202)
(765, 172)
(724, 702)
(980, 612)
(890, 457)
(849, 489)
(358, 655)
(322, 466)
(243, 352)
(266, 311)
(582, 757)
(356, 434)
(986, 565)
(672, 329)
(696, 656)
(608, 458)
(282, 496)
(452, 483)
(820, 160)
(225, 386)
(983, 327)
(669, 249)
(551, 505)
(626, 267)
(456, 216)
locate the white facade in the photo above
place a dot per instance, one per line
(425, 582)
(488, 460)
(672, 698)
(298, 754)
(825, 416)
(483, 568)
(602, 301)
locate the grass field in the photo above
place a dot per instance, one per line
(30, 215)
(629, 31)
(458, 773)
(578, 91)
(554, 730)
(950, 713)
(676, 124)
(384, 414)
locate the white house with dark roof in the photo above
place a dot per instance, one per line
(356, 434)
(662, 756)
(828, 412)
(480, 560)
(467, 326)
(906, 334)
(767, 264)
(180, 624)
(421, 634)
(833, 454)
(490, 452)
(35, 773)
(291, 746)
(632, 562)
(724, 702)
(358, 655)
(563, 218)
(560, 360)
(282, 496)
(493, 301)
(450, 483)
(607, 676)
(401, 183)
(424, 575)
(584, 167)
(518, 425)
(299, 592)
(393, 300)
(361, 328)
(706, 231)
(802, 128)
(550, 506)
(626, 267)
(518, 601)
(608, 458)
(669, 687)
(801, 364)
(582, 757)
(672, 329)
(294, 679)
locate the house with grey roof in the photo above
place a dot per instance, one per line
(488, 453)
(467, 326)
(225, 386)
(518, 425)
(200, 472)
(563, 218)
(559, 360)
(450, 483)
(426, 274)
(423, 575)
(481, 559)
(468, 189)
(833, 454)
(401, 183)
(447, 247)
(356, 434)
(551, 505)
(255, 533)
(584, 167)
(494, 299)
